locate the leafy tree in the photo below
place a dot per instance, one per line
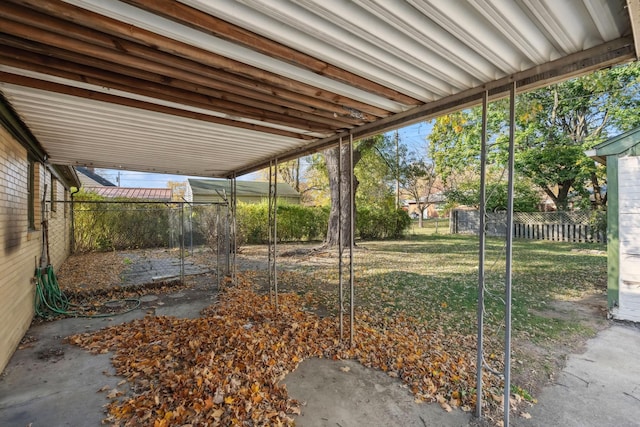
(375, 172)
(418, 179)
(454, 142)
(316, 179)
(525, 198)
(561, 121)
(294, 173)
(555, 125)
(178, 190)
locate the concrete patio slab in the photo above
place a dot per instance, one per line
(51, 383)
(600, 387)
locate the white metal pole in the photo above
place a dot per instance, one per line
(481, 257)
(270, 233)
(340, 245)
(275, 229)
(509, 255)
(352, 200)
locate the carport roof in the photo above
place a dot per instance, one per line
(220, 88)
(214, 187)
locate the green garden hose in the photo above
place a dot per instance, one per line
(50, 300)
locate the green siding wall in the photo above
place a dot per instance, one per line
(613, 242)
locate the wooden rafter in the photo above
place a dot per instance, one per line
(138, 56)
(29, 51)
(85, 74)
(108, 38)
(201, 21)
(113, 99)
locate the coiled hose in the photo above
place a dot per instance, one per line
(51, 301)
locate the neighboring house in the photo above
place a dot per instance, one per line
(621, 154)
(88, 178)
(135, 193)
(436, 203)
(94, 183)
(214, 190)
(26, 179)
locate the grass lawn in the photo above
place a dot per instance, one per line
(558, 291)
(228, 363)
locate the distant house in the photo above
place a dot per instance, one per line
(436, 202)
(621, 154)
(215, 190)
(88, 178)
(93, 183)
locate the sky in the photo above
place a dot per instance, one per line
(413, 136)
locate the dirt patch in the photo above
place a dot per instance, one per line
(590, 308)
(537, 363)
(52, 353)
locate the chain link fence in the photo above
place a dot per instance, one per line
(100, 226)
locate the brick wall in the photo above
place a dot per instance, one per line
(59, 222)
(20, 246)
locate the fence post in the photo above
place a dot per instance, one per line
(182, 243)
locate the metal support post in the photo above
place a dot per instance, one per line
(352, 200)
(270, 232)
(234, 229)
(273, 231)
(481, 258)
(340, 244)
(509, 254)
(182, 248)
(190, 228)
(218, 275)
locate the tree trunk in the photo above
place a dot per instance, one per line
(337, 221)
(598, 200)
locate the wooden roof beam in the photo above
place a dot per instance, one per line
(153, 90)
(154, 47)
(113, 99)
(201, 21)
(212, 79)
(52, 56)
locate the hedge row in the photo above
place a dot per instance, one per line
(303, 223)
(118, 226)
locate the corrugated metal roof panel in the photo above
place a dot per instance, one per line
(204, 187)
(155, 194)
(215, 88)
(76, 131)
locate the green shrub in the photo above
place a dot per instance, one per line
(381, 223)
(295, 222)
(102, 226)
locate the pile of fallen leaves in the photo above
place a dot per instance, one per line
(91, 271)
(226, 367)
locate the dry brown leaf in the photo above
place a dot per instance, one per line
(215, 370)
(446, 406)
(114, 393)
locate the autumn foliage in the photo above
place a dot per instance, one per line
(226, 367)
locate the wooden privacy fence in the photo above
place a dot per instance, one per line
(554, 226)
